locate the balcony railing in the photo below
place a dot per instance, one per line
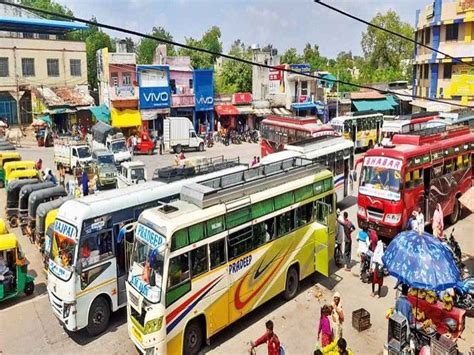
(182, 100)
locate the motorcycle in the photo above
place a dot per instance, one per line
(209, 140)
(453, 245)
(365, 267)
(464, 295)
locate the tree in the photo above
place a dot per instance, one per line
(384, 51)
(210, 41)
(291, 56)
(147, 46)
(48, 5)
(312, 56)
(235, 76)
(130, 43)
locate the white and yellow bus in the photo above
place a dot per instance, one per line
(226, 247)
(362, 129)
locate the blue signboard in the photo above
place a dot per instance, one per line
(302, 68)
(154, 88)
(203, 89)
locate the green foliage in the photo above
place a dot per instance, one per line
(210, 41)
(235, 76)
(291, 56)
(48, 5)
(147, 46)
(385, 52)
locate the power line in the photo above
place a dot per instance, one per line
(242, 60)
(342, 12)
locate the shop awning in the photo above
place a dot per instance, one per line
(262, 111)
(58, 111)
(281, 111)
(126, 118)
(375, 105)
(101, 113)
(245, 109)
(151, 114)
(227, 110)
(303, 105)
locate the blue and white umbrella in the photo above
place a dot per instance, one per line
(421, 261)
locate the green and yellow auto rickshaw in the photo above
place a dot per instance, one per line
(3, 227)
(14, 278)
(13, 166)
(6, 157)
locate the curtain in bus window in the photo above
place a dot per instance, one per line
(180, 239)
(215, 226)
(283, 200)
(262, 208)
(236, 218)
(196, 233)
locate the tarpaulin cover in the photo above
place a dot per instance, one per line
(126, 118)
(101, 130)
(101, 113)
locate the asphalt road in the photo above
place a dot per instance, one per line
(27, 324)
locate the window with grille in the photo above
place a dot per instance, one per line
(28, 66)
(53, 67)
(126, 79)
(4, 67)
(452, 32)
(114, 79)
(75, 66)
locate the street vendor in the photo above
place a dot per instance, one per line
(403, 305)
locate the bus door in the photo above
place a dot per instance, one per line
(321, 235)
(426, 208)
(353, 128)
(378, 134)
(123, 237)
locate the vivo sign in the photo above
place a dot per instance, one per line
(157, 97)
(205, 100)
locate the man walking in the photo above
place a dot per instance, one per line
(348, 229)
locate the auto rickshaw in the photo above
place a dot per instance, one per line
(3, 227)
(34, 200)
(6, 157)
(25, 193)
(21, 175)
(6, 146)
(13, 191)
(44, 218)
(16, 280)
(17, 165)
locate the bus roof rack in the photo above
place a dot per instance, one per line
(430, 134)
(239, 185)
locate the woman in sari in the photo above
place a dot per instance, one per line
(438, 222)
(325, 330)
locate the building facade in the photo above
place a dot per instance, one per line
(34, 54)
(448, 27)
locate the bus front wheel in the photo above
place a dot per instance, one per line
(99, 315)
(193, 338)
(292, 283)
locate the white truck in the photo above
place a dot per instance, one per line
(106, 137)
(131, 173)
(179, 135)
(71, 153)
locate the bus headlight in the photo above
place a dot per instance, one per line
(67, 309)
(153, 325)
(361, 211)
(393, 217)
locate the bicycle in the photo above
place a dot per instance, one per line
(338, 257)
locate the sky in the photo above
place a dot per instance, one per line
(283, 23)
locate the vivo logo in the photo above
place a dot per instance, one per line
(156, 97)
(206, 101)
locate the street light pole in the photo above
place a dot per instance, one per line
(337, 94)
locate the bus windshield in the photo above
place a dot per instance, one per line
(146, 273)
(381, 177)
(62, 250)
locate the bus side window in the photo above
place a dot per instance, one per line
(240, 242)
(448, 166)
(178, 270)
(199, 262)
(437, 171)
(217, 253)
(304, 214)
(417, 177)
(459, 163)
(285, 223)
(263, 232)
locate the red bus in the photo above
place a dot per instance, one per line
(420, 169)
(276, 131)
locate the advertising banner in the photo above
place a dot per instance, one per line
(203, 89)
(276, 80)
(153, 82)
(242, 98)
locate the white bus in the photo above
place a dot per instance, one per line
(226, 247)
(361, 128)
(89, 254)
(336, 153)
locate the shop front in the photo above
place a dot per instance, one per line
(128, 120)
(154, 97)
